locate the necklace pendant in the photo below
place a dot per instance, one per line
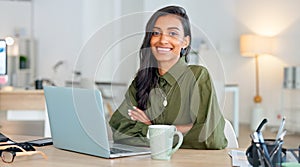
(165, 103)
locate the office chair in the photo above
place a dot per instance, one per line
(230, 135)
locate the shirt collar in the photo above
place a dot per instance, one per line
(175, 71)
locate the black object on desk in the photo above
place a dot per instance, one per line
(3, 138)
(41, 142)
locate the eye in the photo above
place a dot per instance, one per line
(155, 33)
(173, 33)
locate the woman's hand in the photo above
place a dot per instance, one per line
(138, 115)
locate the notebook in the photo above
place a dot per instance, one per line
(77, 123)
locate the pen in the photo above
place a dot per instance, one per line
(280, 128)
(275, 150)
(262, 142)
(263, 122)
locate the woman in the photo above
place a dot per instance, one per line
(168, 91)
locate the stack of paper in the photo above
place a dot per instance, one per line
(239, 158)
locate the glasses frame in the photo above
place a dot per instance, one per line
(4, 149)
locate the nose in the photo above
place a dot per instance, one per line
(164, 38)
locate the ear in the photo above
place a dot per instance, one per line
(186, 41)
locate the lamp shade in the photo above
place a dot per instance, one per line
(254, 45)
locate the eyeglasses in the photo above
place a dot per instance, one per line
(9, 152)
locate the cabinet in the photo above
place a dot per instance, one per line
(290, 108)
(21, 63)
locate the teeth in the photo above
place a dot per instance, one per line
(163, 49)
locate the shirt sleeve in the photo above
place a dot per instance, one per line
(124, 129)
(208, 128)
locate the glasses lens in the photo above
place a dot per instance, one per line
(7, 156)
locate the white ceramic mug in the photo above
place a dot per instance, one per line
(161, 141)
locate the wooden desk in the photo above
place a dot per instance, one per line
(22, 100)
(24, 105)
(182, 158)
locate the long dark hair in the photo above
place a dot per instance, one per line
(146, 78)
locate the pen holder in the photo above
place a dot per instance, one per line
(256, 155)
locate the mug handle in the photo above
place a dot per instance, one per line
(179, 142)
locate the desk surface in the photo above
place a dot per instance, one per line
(182, 158)
(22, 100)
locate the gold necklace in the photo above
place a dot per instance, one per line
(165, 101)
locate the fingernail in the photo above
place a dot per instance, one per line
(134, 107)
(132, 118)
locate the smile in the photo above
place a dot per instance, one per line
(162, 50)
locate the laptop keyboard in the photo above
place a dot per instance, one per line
(117, 150)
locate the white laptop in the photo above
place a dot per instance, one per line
(77, 123)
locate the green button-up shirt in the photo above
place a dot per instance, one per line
(191, 98)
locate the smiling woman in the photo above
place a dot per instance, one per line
(168, 91)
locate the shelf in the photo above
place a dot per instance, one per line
(290, 108)
(21, 77)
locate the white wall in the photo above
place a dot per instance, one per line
(132, 33)
(109, 40)
(96, 20)
(15, 16)
(58, 32)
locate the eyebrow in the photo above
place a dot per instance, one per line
(169, 28)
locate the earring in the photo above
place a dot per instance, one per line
(182, 52)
